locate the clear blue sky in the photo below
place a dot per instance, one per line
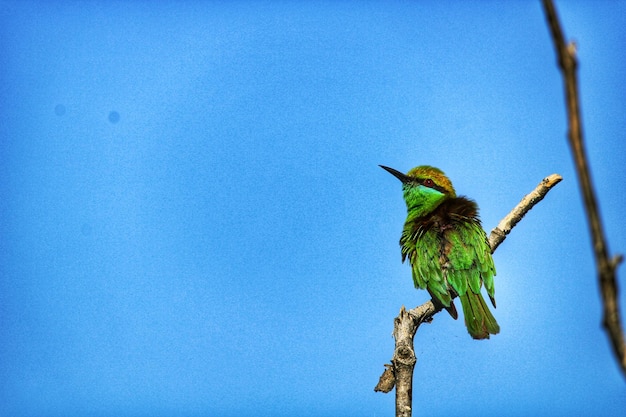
(193, 221)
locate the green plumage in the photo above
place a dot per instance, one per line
(447, 248)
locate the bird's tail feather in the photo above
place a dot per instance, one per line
(478, 319)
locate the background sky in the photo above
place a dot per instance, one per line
(193, 221)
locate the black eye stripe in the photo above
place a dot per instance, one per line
(433, 184)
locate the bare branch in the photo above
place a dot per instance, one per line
(400, 371)
(498, 234)
(606, 268)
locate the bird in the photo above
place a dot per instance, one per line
(447, 247)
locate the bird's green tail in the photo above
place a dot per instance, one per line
(478, 319)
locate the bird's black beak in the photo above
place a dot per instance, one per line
(402, 177)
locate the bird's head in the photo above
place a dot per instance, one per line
(424, 188)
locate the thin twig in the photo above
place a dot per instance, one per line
(503, 228)
(400, 371)
(606, 267)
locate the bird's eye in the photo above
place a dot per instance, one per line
(428, 182)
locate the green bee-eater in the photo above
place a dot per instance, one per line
(447, 247)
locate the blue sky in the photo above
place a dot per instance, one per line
(193, 221)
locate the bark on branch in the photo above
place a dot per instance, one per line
(606, 267)
(400, 372)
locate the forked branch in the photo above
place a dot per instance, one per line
(400, 372)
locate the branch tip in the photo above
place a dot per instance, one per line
(552, 180)
(387, 380)
(616, 261)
